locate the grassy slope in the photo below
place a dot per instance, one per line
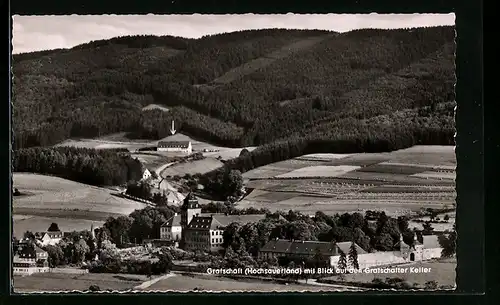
(74, 206)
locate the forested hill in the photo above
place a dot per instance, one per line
(245, 88)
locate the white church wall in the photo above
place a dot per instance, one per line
(432, 253)
(369, 260)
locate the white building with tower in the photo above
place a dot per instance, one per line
(194, 230)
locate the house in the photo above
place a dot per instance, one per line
(200, 231)
(30, 259)
(49, 237)
(146, 174)
(171, 229)
(177, 146)
(306, 249)
(174, 197)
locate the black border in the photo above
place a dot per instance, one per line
(469, 120)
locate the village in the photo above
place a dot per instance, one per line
(193, 233)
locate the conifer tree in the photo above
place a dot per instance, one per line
(342, 264)
(353, 256)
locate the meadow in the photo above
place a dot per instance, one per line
(79, 282)
(184, 283)
(442, 271)
(192, 167)
(71, 204)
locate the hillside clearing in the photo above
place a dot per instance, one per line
(155, 107)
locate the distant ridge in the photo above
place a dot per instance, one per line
(100, 88)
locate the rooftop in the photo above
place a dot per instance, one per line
(309, 247)
(174, 144)
(220, 221)
(431, 242)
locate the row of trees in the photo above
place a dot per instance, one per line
(95, 167)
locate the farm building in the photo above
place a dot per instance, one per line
(403, 253)
(178, 146)
(196, 230)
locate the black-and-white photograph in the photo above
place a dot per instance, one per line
(233, 153)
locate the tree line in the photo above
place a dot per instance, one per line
(90, 166)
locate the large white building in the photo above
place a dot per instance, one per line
(200, 231)
(30, 259)
(178, 146)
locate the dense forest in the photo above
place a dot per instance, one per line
(346, 87)
(95, 167)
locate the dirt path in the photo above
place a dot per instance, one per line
(264, 61)
(149, 283)
(161, 168)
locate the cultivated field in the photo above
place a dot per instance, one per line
(79, 282)
(55, 198)
(184, 283)
(193, 167)
(400, 182)
(319, 171)
(442, 271)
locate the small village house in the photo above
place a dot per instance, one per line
(177, 146)
(146, 174)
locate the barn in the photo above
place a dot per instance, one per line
(178, 146)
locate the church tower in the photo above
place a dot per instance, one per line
(189, 209)
(92, 231)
